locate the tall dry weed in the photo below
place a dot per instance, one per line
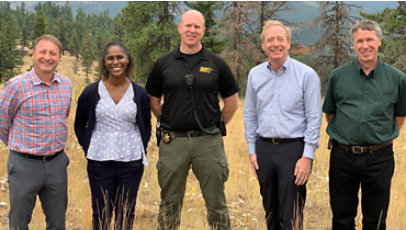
(242, 189)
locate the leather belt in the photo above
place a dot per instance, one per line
(192, 133)
(279, 140)
(362, 149)
(37, 157)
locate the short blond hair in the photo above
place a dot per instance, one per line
(51, 38)
(270, 23)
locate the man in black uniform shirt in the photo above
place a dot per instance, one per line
(190, 79)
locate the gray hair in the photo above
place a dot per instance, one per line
(366, 25)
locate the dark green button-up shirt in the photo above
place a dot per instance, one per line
(365, 107)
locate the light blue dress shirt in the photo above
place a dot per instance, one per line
(286, 104)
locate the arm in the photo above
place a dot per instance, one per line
(8, 110)
(329, 116)
(251, 125)
(156, 105)
(313, 115)
(400, 120)
(229, 108)
(81, 117)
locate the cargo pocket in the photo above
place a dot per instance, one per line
(224, 170)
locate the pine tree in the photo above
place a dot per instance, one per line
(39, 26)
(9, 55)
(393, 25)
(333, 49)
(211, 39)
(149, 32)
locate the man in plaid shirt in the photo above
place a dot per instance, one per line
(34, 108)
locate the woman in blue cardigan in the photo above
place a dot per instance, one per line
(113, 126)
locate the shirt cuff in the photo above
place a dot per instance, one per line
(251, 148)
(309, 150)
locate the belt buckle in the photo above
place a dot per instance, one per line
(274, 142)
(358, 149)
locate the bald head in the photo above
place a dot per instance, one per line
(192, 13)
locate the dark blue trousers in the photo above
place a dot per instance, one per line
(283, 201)
(372, 173)
(114, 186)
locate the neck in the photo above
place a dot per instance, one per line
(45, 77)
(116, 81)
(190, 49)
(367, 67)
(277, 64)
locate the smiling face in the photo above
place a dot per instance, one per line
(275, 44)
(116, 61)
(191, 29)
(366, 45)
(46, 58)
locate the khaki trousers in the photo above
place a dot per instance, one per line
(206, 156)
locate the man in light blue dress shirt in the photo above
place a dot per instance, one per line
(282, 118)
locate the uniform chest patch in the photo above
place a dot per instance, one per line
(205, 69)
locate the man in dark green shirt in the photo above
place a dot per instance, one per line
(365, 107)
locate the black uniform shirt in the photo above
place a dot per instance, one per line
(212, 76)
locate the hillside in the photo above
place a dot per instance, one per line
(302, 11)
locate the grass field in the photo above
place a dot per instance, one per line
(242, 189)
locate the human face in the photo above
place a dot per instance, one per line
(45, 57)
(276, 44)
(191, 29)
(366, 45)
(116, 61)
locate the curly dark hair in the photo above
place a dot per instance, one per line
(104, 73)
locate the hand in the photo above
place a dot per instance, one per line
(302, 170)
(254, 164)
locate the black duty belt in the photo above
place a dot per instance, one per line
(356, 149)
(37, 157)
(279, 140)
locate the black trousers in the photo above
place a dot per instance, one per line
(114, 186)
(283, 201)
(373, 173)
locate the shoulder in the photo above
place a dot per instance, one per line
(259, 68)
(213, 57)
(305, 68)
(138, 88)
(24, 80)
(63, 79)
(166, 57)
(349, 67)
(91, 88)
(393, 71)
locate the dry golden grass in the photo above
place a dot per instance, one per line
(242, 189)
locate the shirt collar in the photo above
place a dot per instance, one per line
(372, 73)
(38, 81)
(179, 55)
(284, 67)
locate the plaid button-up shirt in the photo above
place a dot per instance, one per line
(33, 115)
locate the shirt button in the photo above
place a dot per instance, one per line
(273, 130)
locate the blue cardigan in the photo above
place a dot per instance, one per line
(85, 120)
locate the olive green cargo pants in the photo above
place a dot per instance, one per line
(209, 164)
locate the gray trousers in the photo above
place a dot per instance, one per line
(28, 178)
